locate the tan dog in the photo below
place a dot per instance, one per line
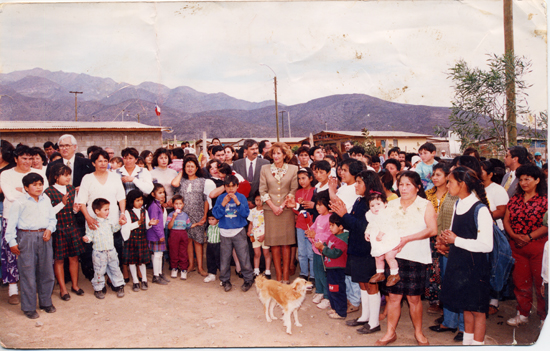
(289, 297)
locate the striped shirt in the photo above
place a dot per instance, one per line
(102, 237)
(213, 234)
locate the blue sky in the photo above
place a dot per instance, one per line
(394, 50)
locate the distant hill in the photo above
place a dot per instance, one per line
(43, 95)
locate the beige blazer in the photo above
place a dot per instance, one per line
(278, 190)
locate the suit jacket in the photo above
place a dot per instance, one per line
(512, 189)
(278, 190)
(239, 166)
(82, 166)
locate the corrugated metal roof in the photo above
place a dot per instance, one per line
(74, 126)
(378, 134)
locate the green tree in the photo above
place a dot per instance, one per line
(479, 105)
(369, 144)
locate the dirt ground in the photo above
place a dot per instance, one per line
(192, 313)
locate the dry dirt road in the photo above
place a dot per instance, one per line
(192, 313)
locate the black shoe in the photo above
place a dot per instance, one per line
(120, 291)
(355, 322)
(366, 329)
(303, 277)
(459, 337)
(49, 309)
(158, 280)
(227, 286)
(164, 278)
(31, 314)
(246, 286)
(268, 276)
(78, 292)
(440, 329)
(136, 287)
(99, 294)
(144, 285)
(439, 320)
(126, 280)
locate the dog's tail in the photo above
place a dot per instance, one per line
(260, 281)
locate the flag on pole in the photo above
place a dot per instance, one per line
(157, 110)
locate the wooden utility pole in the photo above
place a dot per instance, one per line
(512, 131)
(276, 107)
(75, 104)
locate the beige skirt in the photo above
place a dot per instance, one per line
(281, 229)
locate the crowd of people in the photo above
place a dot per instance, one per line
(367, 231)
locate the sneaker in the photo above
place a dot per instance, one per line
(31, 314)
(325, 303)
(99, 294)
(183, 275)
(164, 278)
(136, 287)
(210, 278)
(317, 298)
(517, 320)
(144, 285)
(157, 280)
(49, 309)
(227, 286)
(120, 292)
(246, 286)
(174, 273)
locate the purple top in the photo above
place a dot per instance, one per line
(156, 232)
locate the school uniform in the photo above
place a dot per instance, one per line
(136, 248)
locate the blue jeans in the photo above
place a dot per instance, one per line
(106, 262)
(305, 254)
(353, 291)
(450, 319)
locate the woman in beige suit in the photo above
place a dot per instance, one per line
(278, 184)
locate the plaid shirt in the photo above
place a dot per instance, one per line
(102, 237)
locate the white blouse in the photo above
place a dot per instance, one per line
(112, 190)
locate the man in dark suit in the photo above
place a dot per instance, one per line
(515, 157)
(249, 166)
(79, 167)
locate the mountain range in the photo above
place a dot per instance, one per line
(41, 95)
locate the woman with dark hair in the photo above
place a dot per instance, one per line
(523, 222)
(467, 161)
(360, 263)
(194, 189)
(132, 175)
(162, 174)
(415, 218)
(230, 155)
(147, 157)
(39, 159)
(278, 185)
(465, 287)
(471, 152)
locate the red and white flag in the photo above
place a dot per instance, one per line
(157, 110)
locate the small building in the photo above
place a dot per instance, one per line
(408, 142)
(117, 135)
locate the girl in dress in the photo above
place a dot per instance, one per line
(66, 239)
(155, 234)
(136, 249)
(383, 238)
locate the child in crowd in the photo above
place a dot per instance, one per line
(425, 168)
(332, 161)
(319, 232)
(256, 230)
(321, 171)
(155, 234)
(176, 156)
(116, 163)
(232, 211)
(213, 248)
(178, 222)
(66, 239)
(104, 256)
(136, 249)
(334, 250)
(383, 238)
(303, 157)
(28, 233)
(306, 213)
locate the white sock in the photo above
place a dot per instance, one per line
(143, 270)
(468, 339)
(133, 271)
(267, 272)
(380, 270)
(13, 290)
(257, 271)
(394, 271)
(494, 302)
(374, 308)
(477, 342)
(157, 263)
(364, 306)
